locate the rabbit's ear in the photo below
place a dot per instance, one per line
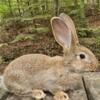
(61, 32)
(70, 24)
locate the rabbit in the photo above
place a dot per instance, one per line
(32, 74)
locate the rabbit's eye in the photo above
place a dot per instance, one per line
(82, 56)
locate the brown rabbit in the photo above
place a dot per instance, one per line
(30, 74)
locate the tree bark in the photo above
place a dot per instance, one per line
(56, 7)
(30, 8)
(10, 7)
(19, 10)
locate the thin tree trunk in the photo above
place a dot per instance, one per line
(18, 4)
(76, 2)
(21, 5)
(30, 8)
(10, 7)
(56, 7)
(46, 5)
(98, 1)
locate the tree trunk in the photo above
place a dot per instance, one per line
(56, 7)
(98, 1)
(10, 7)
(19, 10)
(76, 3)
(46, 5)
(22, 8)
(30, 8)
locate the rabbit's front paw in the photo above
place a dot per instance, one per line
(38, 94)
(60, 95)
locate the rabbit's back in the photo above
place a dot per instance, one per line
(30, 71)
(34, 62)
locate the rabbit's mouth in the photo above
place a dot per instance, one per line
(82, 71)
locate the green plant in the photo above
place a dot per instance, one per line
(3, 10)
(22, 37)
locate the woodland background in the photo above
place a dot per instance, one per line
(25, 26)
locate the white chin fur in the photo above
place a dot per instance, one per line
(2, 85)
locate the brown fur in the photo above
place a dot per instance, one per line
(37, 71)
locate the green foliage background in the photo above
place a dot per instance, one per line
(22, 20)
(42, 10)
